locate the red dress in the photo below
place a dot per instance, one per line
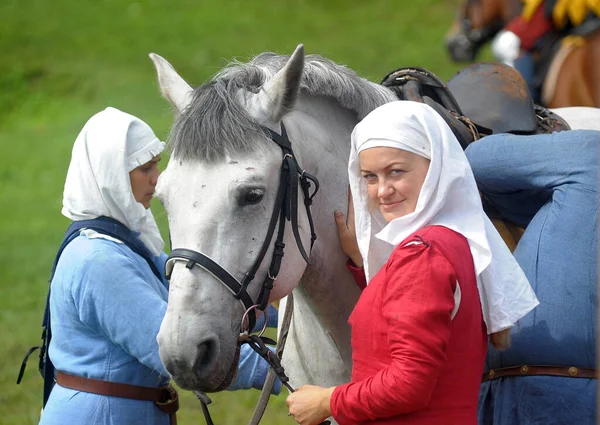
(413, 363)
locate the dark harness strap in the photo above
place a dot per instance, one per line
(196, 258)
(117, 230)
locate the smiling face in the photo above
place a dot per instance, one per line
(394, 179)
(143, 181)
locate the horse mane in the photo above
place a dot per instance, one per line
(216, 124)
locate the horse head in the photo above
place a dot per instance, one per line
(222, 194)
(476, 23)
(229, 172)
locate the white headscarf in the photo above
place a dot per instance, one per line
(449, 197)
(110, 145)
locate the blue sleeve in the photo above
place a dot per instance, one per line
(519, 174)
(272, 321)
(272, 313)
(160, 262)
(252, 372)
(116, 299)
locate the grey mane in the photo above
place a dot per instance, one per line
(216, 124)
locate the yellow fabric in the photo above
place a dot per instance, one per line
(529, 8)
(574, 11)
(573, 41)
(594, 6)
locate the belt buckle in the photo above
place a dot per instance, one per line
(171, 403)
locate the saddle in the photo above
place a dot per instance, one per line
(482, 99)
(420, 85)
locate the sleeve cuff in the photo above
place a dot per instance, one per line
(358, 273)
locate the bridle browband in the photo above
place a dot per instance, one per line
(285, 209)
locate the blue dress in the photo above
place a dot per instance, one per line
(548, 184)
(107, 307)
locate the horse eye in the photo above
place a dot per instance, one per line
(253, 196)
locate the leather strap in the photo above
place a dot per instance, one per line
(165, 398)
(265, 394)
(526, 370)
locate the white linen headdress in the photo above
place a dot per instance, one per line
(110, 145)
(449, 197)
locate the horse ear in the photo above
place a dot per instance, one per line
(172, 86)
(278, 96)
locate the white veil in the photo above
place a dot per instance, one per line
(449, 197)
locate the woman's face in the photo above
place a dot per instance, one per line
(143, 181)
(394, 179)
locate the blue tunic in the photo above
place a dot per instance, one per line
(107, 307)
(548, 184)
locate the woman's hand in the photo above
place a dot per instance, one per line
(347, 233)
(309, 405)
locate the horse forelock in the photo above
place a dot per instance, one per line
(216, 123)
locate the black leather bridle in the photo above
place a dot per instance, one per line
(285, 209)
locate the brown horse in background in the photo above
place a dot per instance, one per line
(574, 75)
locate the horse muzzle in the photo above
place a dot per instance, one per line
(460, 48)
(206, 365)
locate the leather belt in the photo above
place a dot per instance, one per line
(526, 370)
(165, 398)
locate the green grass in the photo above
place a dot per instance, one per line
(61, 61)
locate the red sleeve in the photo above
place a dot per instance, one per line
(418, 302)
(358, 273)
(530, 31)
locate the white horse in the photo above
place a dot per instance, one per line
(219, 192)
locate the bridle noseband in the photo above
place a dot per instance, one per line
(285, 209)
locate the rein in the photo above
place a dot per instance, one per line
(285, 209)
(257, 343)
(265, 394)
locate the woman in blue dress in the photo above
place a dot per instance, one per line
(108, 300)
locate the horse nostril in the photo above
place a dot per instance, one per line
(205, 356)
(174, 367)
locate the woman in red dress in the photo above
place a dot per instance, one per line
(440, 279)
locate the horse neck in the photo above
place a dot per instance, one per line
(326, 129)
(320, 130)
(493, 10)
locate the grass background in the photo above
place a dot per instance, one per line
(61, 61)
